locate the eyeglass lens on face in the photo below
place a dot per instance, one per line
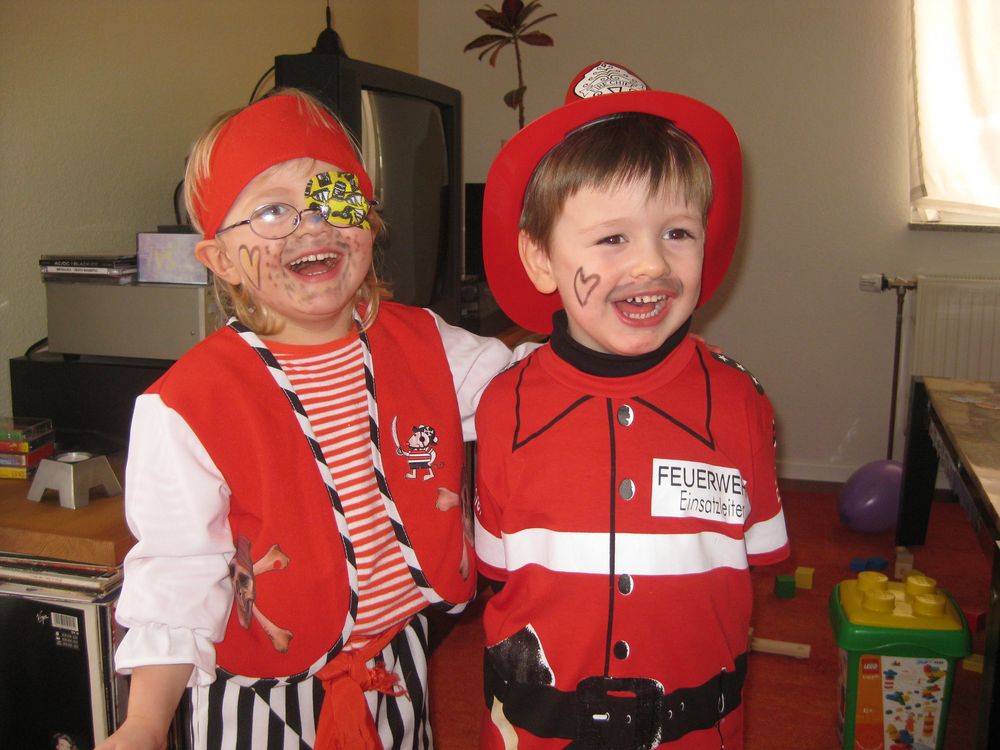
(275, 221)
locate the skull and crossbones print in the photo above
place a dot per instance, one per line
(244, 572)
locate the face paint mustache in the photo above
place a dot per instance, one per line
(331, 241)
(669, 285)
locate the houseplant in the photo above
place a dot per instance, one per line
(512, 27)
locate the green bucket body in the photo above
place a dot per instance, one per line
(895, 683)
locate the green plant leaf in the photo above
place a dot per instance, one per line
(482, 41)
(495, 20)
(537, 21)
(528, 10)
(514, 97)
(512, 10)
(493, 57)
(537, 39)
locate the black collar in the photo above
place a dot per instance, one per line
(606, 365)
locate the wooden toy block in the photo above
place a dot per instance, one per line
(904, 563)
(784, 587)
(804, 577)
(782, 648)
(975, 617)
(973, 663)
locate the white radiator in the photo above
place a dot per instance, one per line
(956, 328)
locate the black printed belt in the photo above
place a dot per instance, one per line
(616, 713)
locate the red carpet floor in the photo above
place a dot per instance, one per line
(791, 703)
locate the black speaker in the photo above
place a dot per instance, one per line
(474, 228)
(479, 310)
(88, 399)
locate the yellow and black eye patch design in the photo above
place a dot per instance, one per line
(337, 196)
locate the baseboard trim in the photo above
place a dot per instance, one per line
(815, 472)
(821, 475)
(809, 485)
(942, 495)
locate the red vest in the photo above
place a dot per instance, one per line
(232, 402)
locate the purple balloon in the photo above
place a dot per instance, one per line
(869, 499)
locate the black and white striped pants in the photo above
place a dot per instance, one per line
(228, 716)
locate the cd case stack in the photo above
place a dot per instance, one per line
(97, 269)
(61, 577)
(24, 442)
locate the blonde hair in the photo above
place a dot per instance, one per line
(611, 152)
(235, 299)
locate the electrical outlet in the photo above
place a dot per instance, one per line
(873, 282)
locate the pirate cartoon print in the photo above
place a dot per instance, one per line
(421, 460)
(419, 449)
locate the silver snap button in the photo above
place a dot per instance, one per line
(626, 489)
(625, 415)
(625, 583)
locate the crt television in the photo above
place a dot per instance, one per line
(410, 133)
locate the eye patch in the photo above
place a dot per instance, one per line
(339, 199)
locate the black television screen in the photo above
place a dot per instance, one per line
(410, 134)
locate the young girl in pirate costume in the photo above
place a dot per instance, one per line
(285, 545)
(626, 477)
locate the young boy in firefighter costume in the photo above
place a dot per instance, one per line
(626, 475)
(285, 548)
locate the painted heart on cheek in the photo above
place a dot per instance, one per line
(584, 285)
(250, 260)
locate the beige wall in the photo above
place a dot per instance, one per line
(101, 99)
(817, 92)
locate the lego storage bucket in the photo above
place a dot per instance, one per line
(899, 644)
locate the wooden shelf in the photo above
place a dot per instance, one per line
(94, 534)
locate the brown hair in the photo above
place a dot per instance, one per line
(234, 299)
(611, 152)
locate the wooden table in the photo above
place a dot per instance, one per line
(956, 424)
(94, 534)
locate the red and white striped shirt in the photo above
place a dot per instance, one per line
(330, 383)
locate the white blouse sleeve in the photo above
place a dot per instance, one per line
(177, 594)
(475, 361)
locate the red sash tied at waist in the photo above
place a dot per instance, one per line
(345, 723)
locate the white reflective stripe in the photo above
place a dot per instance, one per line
(489, 548)
(767, 536)
(637, 554)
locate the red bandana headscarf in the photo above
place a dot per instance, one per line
(266, 133)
